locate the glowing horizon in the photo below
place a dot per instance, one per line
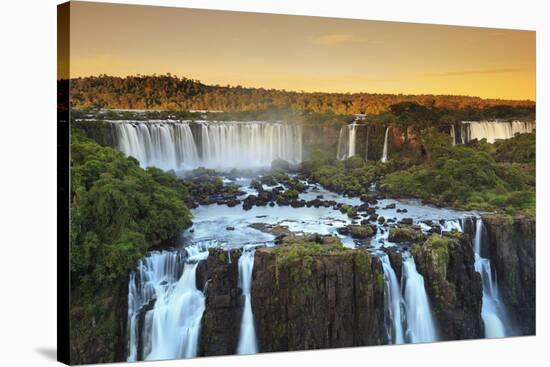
(300, 53)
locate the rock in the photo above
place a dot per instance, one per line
(453, 286)
(405, 234)
(373, 217)
(221, 320)
(358, 231)
(381, 220)
(511, 246)
(390, 206)
(317, 299)
(229, 228)
(408, 221)
(396, 260)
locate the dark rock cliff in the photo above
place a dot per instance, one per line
(453, 286)
(319, 300)
(219, 275)
(511, 248)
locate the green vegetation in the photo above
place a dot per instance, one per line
(173, 93)
(405, 234)
(118, 210)
(467, 176)
(351, 176)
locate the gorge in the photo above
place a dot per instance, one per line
(321, 269)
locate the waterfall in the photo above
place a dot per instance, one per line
(492, 310)
(453, 135)
(347, 141)
(393, 302)
(170, 328)
(247, 339)
(163, 145)
(172, 145)
(385, 150)
(493, 130)
(420, 323)
(352, 139)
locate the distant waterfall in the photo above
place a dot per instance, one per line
(172, 145)
(347, 141)
(171, 327)
(385, 150)
(453, 134)
(493, 130)
(393, 303)
(420, 323)
(247, 339)
(492, 311)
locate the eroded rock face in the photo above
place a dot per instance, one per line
(511, 247)
(453, 286)
(317, 300)
(221, 320)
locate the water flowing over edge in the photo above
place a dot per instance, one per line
(218, 145)
(248, 343)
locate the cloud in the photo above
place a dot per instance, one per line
(332, 39)
(476, 72)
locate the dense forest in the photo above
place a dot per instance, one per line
(118, 211)
(174, 93)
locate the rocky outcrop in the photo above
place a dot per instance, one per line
(219, 276)
(310, 295)
(453, 286)
(511, 248)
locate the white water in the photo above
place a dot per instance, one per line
(172, 328)
(493, 130)
(347, 141)
(420, 322)
(492, 310)
(385, 150)
(394, 302)
(172, 145)
(247, 339)
(453, 134)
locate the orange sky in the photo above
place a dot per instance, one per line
(301, 53)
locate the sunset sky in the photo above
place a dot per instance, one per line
(301, 53)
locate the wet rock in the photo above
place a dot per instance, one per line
(511, 247)
(221, 320)
(318, 299)
(230, 228)
(408, 221)
(381, 220)
(405, 234)
(373, 217)
(453, 285)
(390, 206)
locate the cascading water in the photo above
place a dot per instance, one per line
(385, 150)
(171, 328)
(393, 302)
(493, 130)
(420, 323)
(347, 141)
(492, 310)
(247, 340)
(163, 145)
(172, 145)
(453, 134)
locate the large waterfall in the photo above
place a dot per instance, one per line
(491, 130)
(247, 338)
(188, 145)
(420, 322)
(170, 328)
(492, 311)
(393, 302)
